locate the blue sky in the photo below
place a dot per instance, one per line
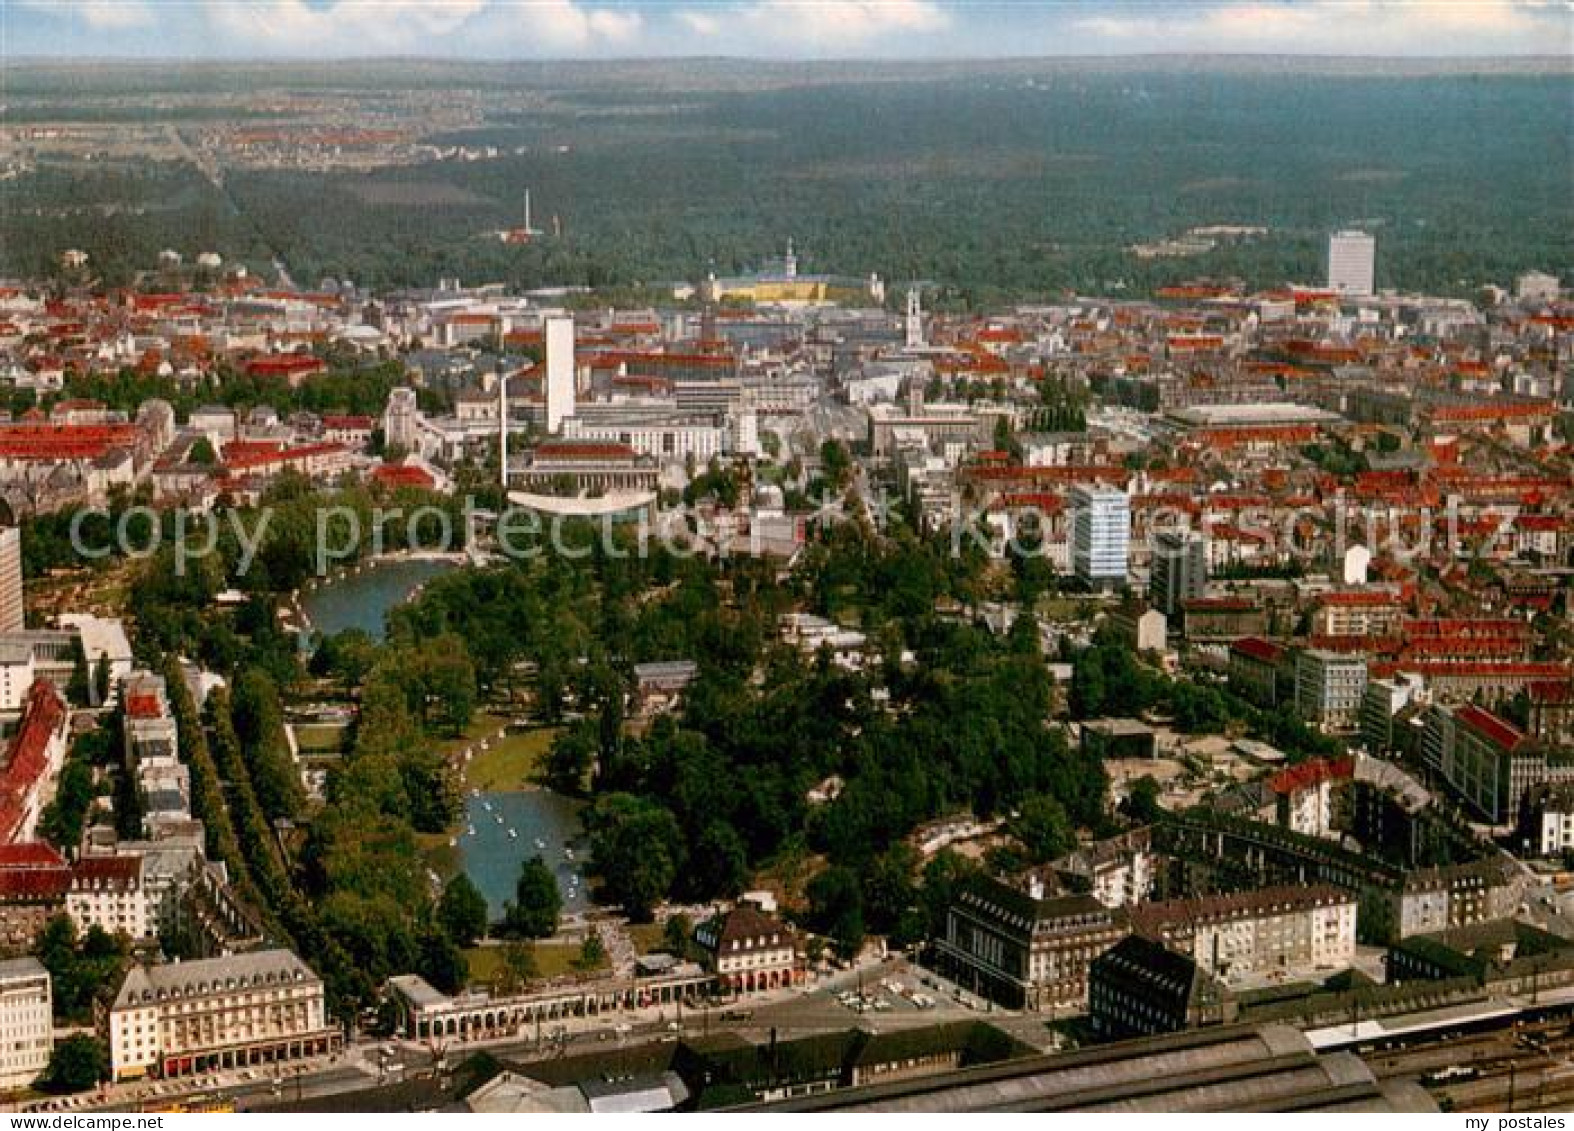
(780, 28)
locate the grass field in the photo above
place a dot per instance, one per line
(510, 763)
(321, 738)
(553, 960)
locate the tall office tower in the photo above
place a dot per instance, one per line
(12, 613)
(560, 370)
(1352, 263)
(1101, 535)
(915, 320)
(1179, 571)
(502, 426)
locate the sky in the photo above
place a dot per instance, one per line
(808, 29)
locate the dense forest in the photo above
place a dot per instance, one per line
(990, 185)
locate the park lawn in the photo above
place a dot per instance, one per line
(510, 763)
(553, 960)
(482, 724)
(321, 738)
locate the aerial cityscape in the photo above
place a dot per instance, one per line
(855, 556)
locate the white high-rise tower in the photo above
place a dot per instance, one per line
(502, 426)
(915, 320)
(1352, 263)
(560, 369)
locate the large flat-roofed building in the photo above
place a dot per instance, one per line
(1488, 763)
(1024, 948)
(1100, 535)
(1261, 414)
(188, 1018)
(26, 1022)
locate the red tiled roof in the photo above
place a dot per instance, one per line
(1256, 648)
(359, 423)
(34, 441)
(1311, 773)
(1359, 599)
(30, 854)
(43, 715)
(123, 871)
(1501, 734)
(284, 365)
(398, 475)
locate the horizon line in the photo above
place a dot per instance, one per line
(1563, 60)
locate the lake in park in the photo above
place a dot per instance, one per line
(362, 600)
(542, 822)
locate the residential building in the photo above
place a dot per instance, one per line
(1282, 928)
(1547, 822)
(1140, 988)
(1304, 794)
(1352, 263)
(1101, 535)
(1254, 668)
(27, 1034)
(34, 879)
(1119, 871)
(749, 950)
(108, 892)
(33, 760)
(1140, 628)
(192, 1018)
(1222, 618)
(1025, 948)
(1357, 612)
(1178, 570)
(1329, 687)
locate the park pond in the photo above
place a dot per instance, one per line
(504, 829)
(501, 828)
(361, 599)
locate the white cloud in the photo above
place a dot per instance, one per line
(783, 26)
(344, 27)
(1354, 27)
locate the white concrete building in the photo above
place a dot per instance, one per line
(1352, 263)
(1100, 535)
(560, 378)
(1329, 687)
(26, 1021)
